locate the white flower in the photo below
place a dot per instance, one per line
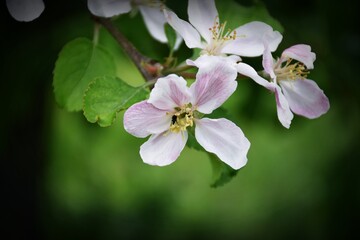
(151, 11)
(294, 93)
(173, 108)
(25, 10)
(246, 40)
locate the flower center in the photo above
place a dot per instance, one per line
(291, 71)
(182, 118)
(219, 36)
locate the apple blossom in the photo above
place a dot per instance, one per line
(294, 93)
(151, 11)
(246, 40)
(173, 108)
(25, 10)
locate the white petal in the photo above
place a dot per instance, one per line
(108, 8)
(164, 148)
(273, 39)
(178, 41)
(203, 15)
(250, 40)
(170, 92)
(215, 82)
(154, 20)
(204, 60)
(247, 70)
(305, 98)
(143, 119)
(190, 35)
(25, 10)
(283, 110)
(225, 139)
(268, 62)
(302, 53)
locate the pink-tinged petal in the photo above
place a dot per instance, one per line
(301, 53)
(205, 60)
(170, 92)
(273, 39)
(202, 15)
(223, 138)
(108, 8)
(282, 106)
(250, 40)
(305, 98)
(247, 70)
(215, 82)
(190, 35)
(25, 10)
(143, 119)
(164, 148)
(178, 41)
(154, 20)
(268, 62)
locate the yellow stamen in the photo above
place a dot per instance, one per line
(219, 35)
(182, 119)
(291, 71)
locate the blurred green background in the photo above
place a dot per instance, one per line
(64, 178)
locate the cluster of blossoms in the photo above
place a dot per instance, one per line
(173, 108)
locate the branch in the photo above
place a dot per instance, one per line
(187, 75)
(138, 59)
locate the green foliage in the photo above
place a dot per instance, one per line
(222, 173)
(220, 113)
(236, 15)
(108, 95)
(79, 62)
(192, 143)
(170, 35)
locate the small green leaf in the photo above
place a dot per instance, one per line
(79, 62)
(219, 113)
(192, 143)
(196, 53)
(170, 35)
(236, 15)
(108, 95)
(222, 173)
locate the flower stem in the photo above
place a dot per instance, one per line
(187, 75)
(178, 69)
(96, 33)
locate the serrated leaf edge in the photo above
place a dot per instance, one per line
(97, 117)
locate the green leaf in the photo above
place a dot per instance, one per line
(192, 143)
(170, 35)
(220, 112)
(222, 173)
(236, 15)
(79, 62)
(108, 95)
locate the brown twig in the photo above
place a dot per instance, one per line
(187, 75)
(138, 59)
